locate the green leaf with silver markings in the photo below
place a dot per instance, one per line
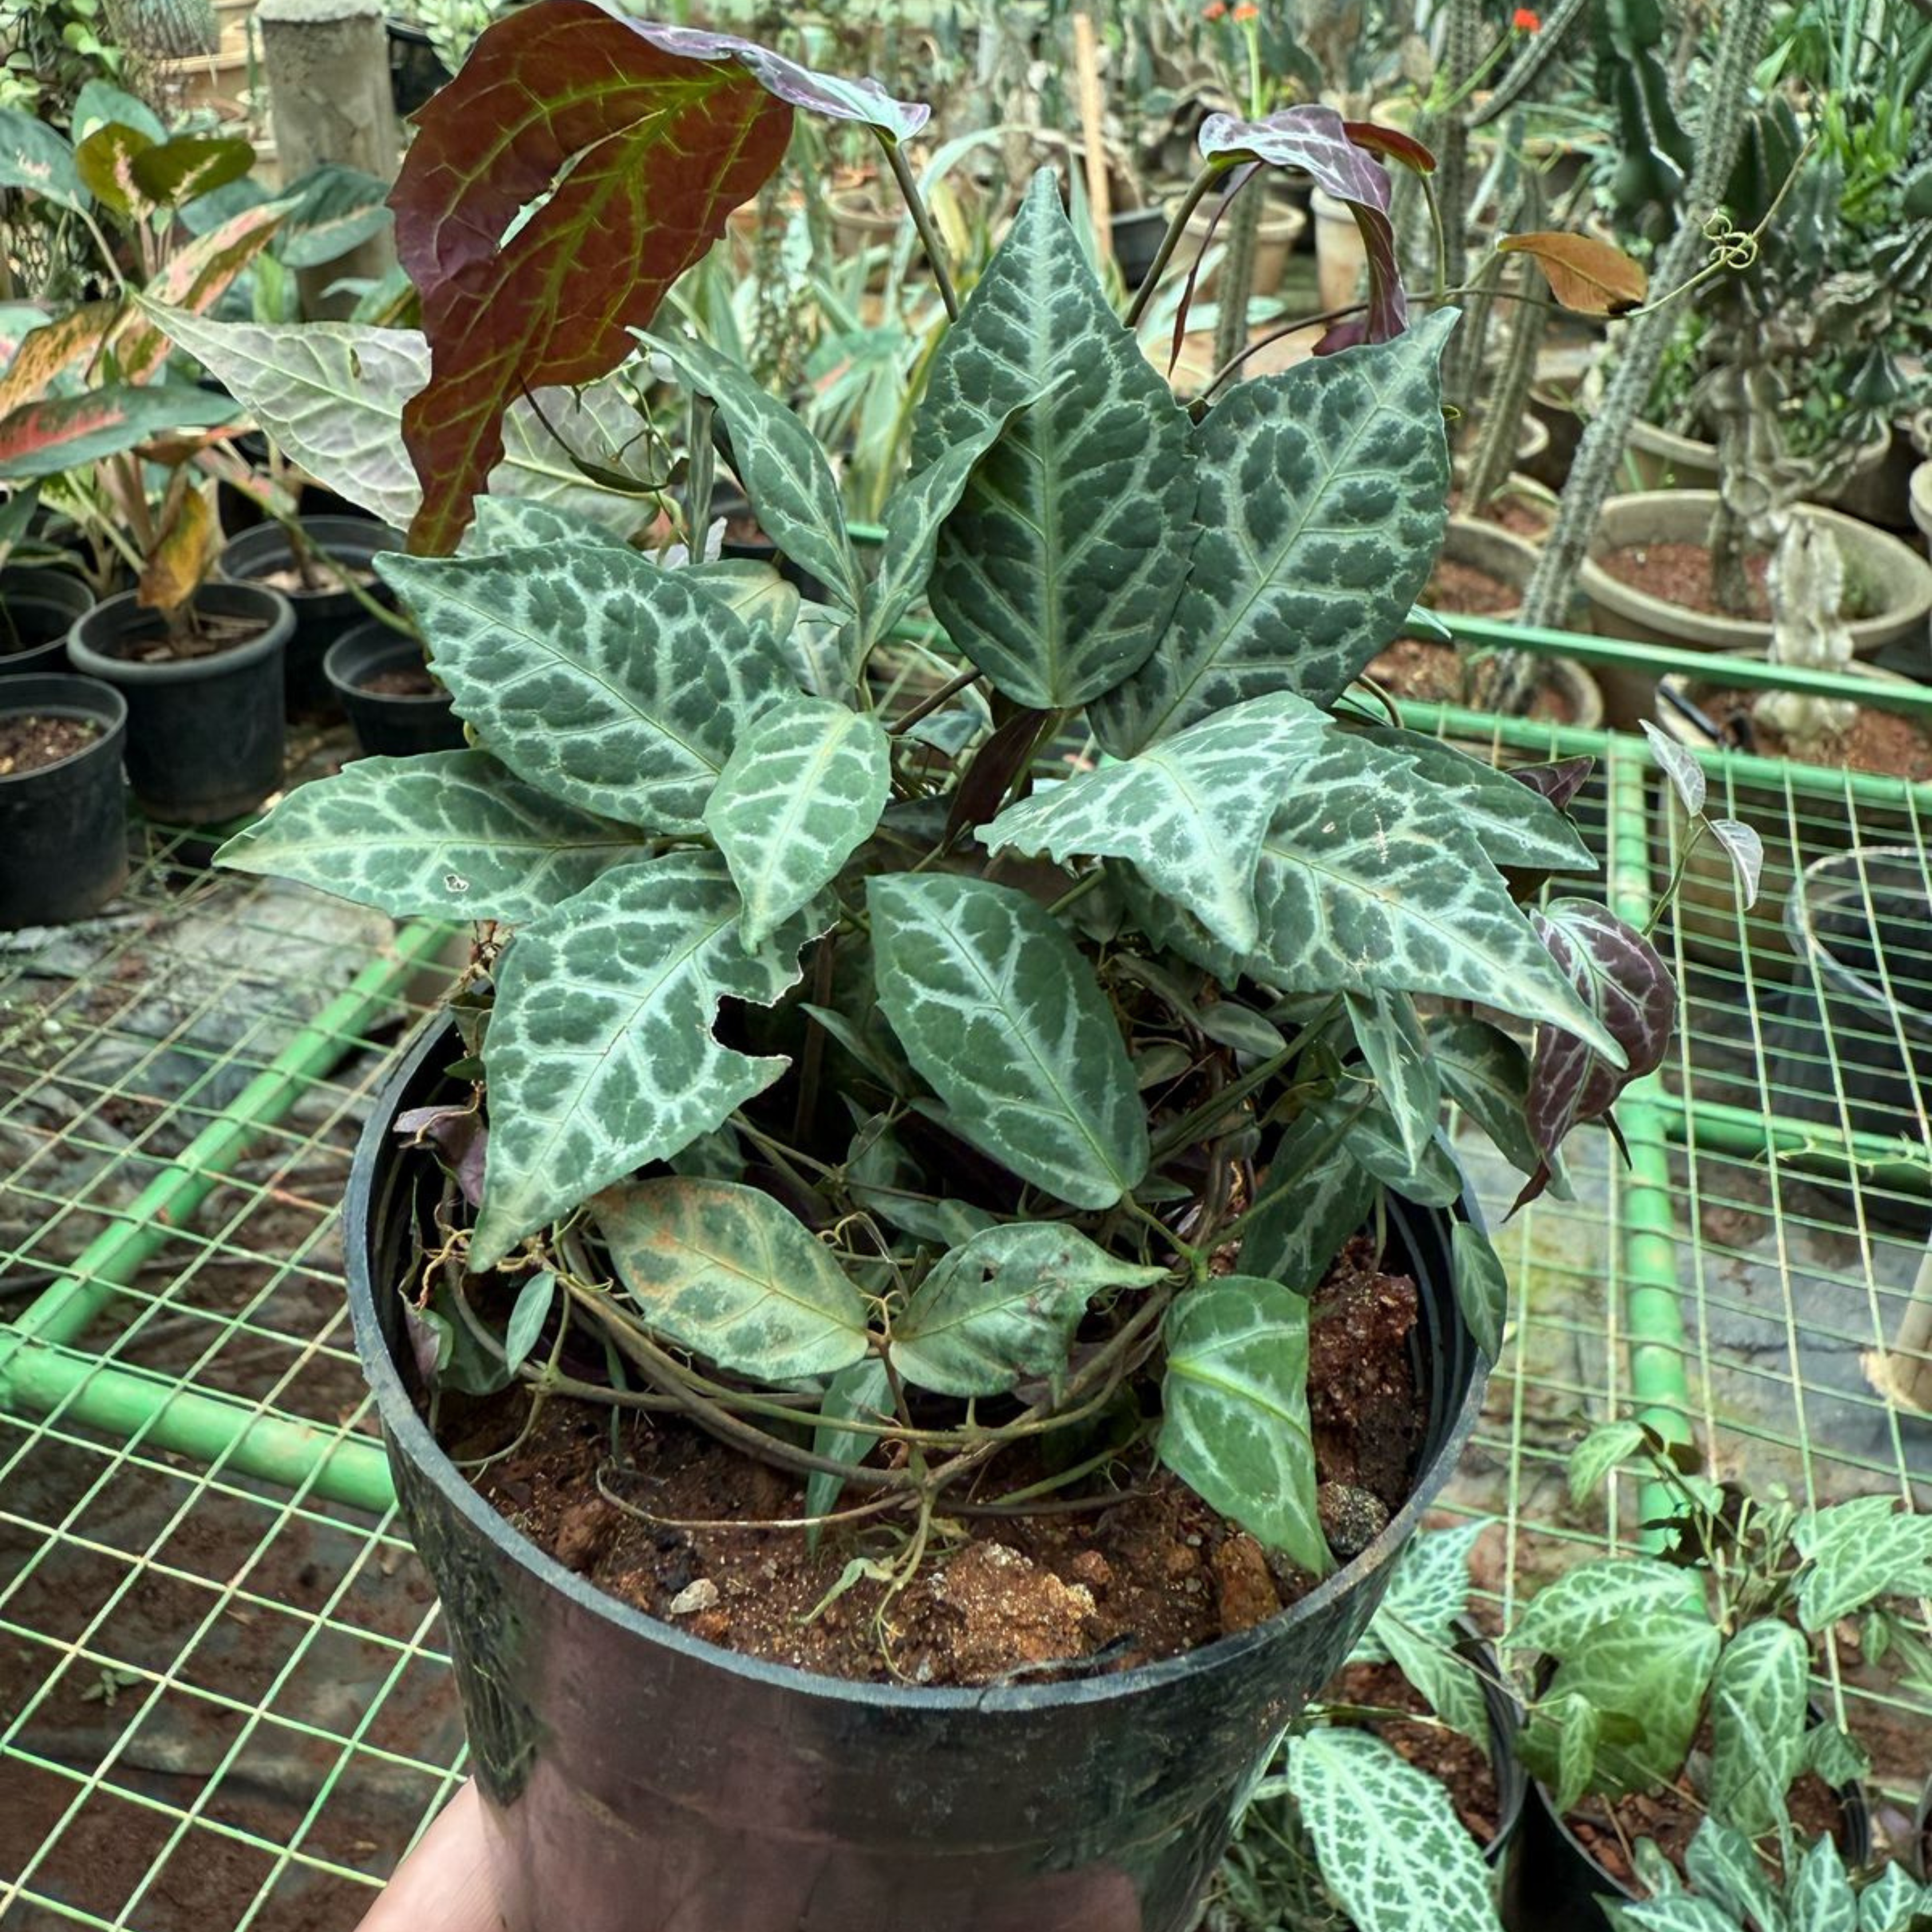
(1393, 1042)
(885, 1180)
(1319, 502)
(779, 462)
(1682, 1912)
(1371, 1137)
(600, 1055)
(1390, 1845)
(864, 1392)
(517, 522)
(726, 1271)
(1891, 1903)
(1003, 1306)
(1723, 1864)
(1189, 812)
(1607, 1447)
(1482, 1287)
(1002, 1016)
(527, 1319)
(1486, 1074)
(799, 795)
(1578, 1726)
(1822, 1899)
(448, 833)
(1299, 1228)
(1758, 1695)
(613, 684)
(1367, 879)
(1235, 1411)
(1057, 573)
(1859, 1552)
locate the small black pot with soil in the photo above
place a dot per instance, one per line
(416, 70)
(380, 677)
(205, 733)
(63, 815)
(264, 555)
(37, 609)
(636, 1778)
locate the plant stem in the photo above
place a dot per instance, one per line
(921, 219)
(928, 705)
(1279, 1186)
(1176, 228)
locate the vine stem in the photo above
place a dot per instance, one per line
(928, 705)
(922, 219)
(1170, 241)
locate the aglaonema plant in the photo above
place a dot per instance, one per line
(927, 1059)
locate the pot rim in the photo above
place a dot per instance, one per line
(362, 635)
(91, 698)
(109, 670)
(407, 1435)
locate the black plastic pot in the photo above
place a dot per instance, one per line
(389, 722)
(37, 609)
(322, 616)
(636, 1779)
(415, 68)
(205, 736)
(64, 827)
(1138, 233)
(1551, 1884)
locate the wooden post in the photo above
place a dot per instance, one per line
(1092, 129)
(328, 66)
(1903, 1374)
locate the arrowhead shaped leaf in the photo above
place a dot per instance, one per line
(1235, 1411)
(105, 162)
(1319, 501)
(726, 1271)
(1297, 1232)
(632, 156)
(543, 651)
(1003, 1017)
(1858, 1552)
(800, 795)
(1514, 823)
(1723, 1865)
(1822, 1900)
(781, 465)
(1681, 1913)
(63, 432)
(1390, 1845)
(1892, 1903)
(1190, 812)
(1004, 1305)
(330, 395)
(600, 1054)
(1057, 571)
(1758, 1698)
(863, 1391)
(1396, 1049)
(1482, 1287)
(446, 832)
(1486, 1074)
(1364, 881)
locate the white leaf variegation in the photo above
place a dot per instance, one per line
(1057, 573)
(1388, 1841)
(726, 1271)
(1233, 1404)
(795, 799)
(999, 1012)
(613, 684)
(1003, 1306)
(445, 832)
(600, 1055)
(1857, 1552)
(1393, 1042)
(1189, 812)
(1320, 506)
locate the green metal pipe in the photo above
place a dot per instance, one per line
(64, 1309)
(1710, 1127)
(1653, 1303)
(131, 1404)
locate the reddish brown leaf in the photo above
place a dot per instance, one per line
(631, 157)
(196, 280)
(1590, 277)
(1391, 144)
(51, 351)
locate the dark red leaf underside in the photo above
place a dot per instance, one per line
(643, 153)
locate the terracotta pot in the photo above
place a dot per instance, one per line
(1920, 500)
(1281, 228)
(1662, 459)
(1341, 260)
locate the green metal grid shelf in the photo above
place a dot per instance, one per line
(223, 1698)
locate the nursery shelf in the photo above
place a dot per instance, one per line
(224, 1702)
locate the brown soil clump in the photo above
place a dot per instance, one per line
(29, 743)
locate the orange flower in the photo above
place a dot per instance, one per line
(1246, 12)
(1215, 10)
(1526, 22)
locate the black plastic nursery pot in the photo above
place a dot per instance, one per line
(394, 723)
(1138, 233)
(205, 735)
(321, 616)
(416, 70)
(37, 609)
(63, 826)
(636, 1779)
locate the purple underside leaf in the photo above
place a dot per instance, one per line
(460, 1139)
(1626, 984)
(1558, 781)
(1316, 139)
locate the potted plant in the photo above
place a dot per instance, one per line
(38, 603)
(876, 1093)
(1686, 1675)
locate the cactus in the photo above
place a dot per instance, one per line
(1808, 590)
(1236, 283)
(1508, 401)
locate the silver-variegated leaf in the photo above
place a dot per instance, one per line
(1680, 766)
(1387, 1839)
(1057, 571)
(779, 462)
(1321, 504)
(1482, 1287)
(613, 684)
(516, 523)
(1606, 1447)
(1531, 833)
(1486, 1074)
(1744, 848)
(1234, 1422)
(1858, 1552)
(799, 795)
(1188, 812)
(863, 1393)
(1892, 1903)
(1365, 881)
(1003, 1306)
(725, 1270)
(1312, 1201)
(1723, 1865)
(447, 833)
(1001, 1016)
(1371, 1137)
(1684, 1912)
(600, 1055)
(1396, 1049)
(1758, 1696)
(1822, 1897)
